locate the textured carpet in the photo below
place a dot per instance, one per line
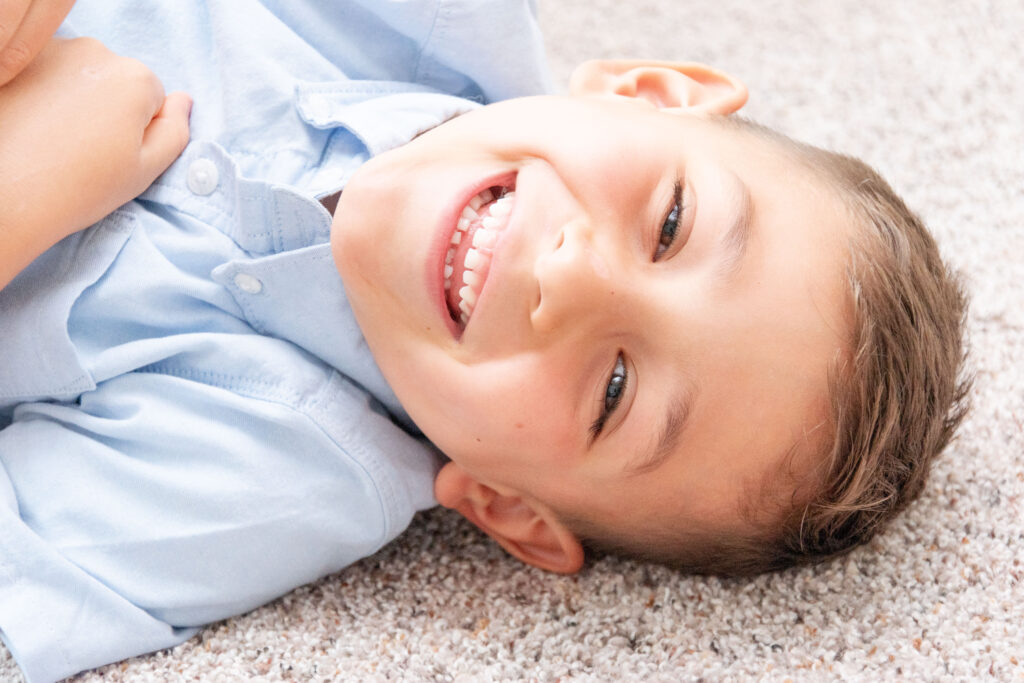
(929, 92)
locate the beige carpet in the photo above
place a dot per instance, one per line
(930, 92)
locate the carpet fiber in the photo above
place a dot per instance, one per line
(930, 93)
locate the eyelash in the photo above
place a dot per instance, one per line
(619, 377)
(617, 381)
(670, 226)
(613, 392)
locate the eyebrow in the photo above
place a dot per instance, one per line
(733, 246)
(735, 240)
(672, 427)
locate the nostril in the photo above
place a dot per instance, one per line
(539, 316)
(561, 240)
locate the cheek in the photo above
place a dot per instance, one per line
(516, 413)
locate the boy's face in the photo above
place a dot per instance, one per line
(626, 357)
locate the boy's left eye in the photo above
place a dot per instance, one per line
(670, 226)
(613, 391)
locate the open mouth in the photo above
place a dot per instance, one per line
(468, 258)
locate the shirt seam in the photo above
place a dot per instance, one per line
(182, 199)
(370, 88)
(384, 484)
(271, 391)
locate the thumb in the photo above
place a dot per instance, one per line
(166, 136)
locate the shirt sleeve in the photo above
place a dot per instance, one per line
(160, 503)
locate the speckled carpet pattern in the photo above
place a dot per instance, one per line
(932, 94)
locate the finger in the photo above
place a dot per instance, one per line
(37, 26)
(12, 13)
(166, 135)
(146, 88)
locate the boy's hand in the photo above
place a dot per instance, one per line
(82, 131)
(25, 26)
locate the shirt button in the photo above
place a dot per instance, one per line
(248, 284)
(203, 176)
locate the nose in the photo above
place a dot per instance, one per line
(574, 278)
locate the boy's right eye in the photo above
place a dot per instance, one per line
(670, 226)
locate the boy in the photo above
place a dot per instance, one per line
(621, 338)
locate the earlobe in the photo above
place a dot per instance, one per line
(673, 86)
(524, 528)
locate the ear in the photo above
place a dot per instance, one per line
(682, 86)
(526, 529)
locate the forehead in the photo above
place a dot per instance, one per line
(751, 357)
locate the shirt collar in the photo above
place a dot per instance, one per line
(381, 114)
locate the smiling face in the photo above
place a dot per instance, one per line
(655, 305)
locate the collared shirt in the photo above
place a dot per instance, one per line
(191, 423)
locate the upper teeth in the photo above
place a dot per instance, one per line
(493, 217)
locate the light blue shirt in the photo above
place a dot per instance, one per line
(191, 423)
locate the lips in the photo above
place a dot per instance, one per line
(467, 259)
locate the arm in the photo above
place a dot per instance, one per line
(82, 131)
(130, 539)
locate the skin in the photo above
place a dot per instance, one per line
(94, 124)
(25, 28)
(578, 281)
(575, 283)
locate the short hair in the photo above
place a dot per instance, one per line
(896, 396)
